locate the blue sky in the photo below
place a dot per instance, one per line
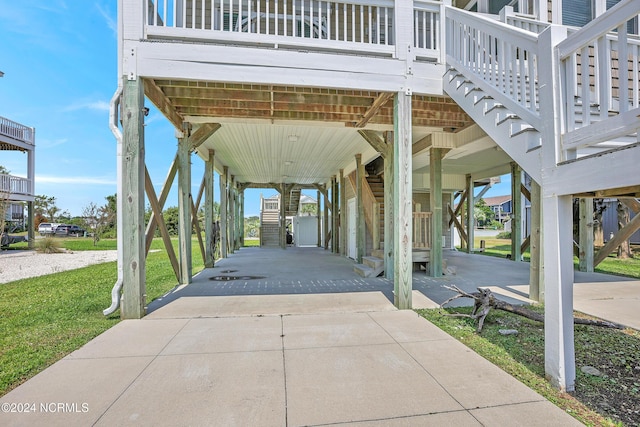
(60, 63)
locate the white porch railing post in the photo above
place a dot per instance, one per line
(443, 31)
(557, 249)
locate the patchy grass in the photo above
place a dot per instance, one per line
(610, 400)
(47, 317)
(251, 242)
(611, 265)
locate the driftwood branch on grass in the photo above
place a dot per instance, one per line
(485, 300)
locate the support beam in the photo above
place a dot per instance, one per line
(536, 283)
(162, 226)
(31, 234)
(516, 212)
(402, 198)
(224, 209)
(158, 98)
(377, 104)
(585, 230)
(241, 207)
(423, 144)
(184, 210)
(557, 214)
(164, 193)
(132, 244)
(283, 215)
(435, 201)
(376, 141)
(343, 215)
(360, 224)
(209, 220)
(388, 208)
(195, 224)
(621, 236)
(470, 220)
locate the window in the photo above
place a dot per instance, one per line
(577, 12)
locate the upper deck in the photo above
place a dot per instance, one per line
(377, 45)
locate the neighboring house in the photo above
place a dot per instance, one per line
(419, 98)
(17, 189)
(501, 207)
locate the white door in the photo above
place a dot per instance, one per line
(352, 251)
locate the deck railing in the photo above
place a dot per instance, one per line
(10, 185)
(503, 60)
(16, 131)
(351, 25)
(422, 230)
(600, 65)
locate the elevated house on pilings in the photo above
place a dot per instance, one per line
(15, 191)
(279, 93)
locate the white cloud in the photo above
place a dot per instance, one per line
(48, 143)
(92, 105)
(41, 179)
(111, 23)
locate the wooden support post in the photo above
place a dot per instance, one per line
(325, 220)
(435, 201)
(283, 215)
(31, 234)
(184, 210)
(360, 224)
(196, 227)
(536, 285)
(402, 198)
(224, 209)
(516, 212)
(319, 219)
(388, 207)
(335, 203)
(231, 222)
(585, 258)
(557, 215)
(209, 220)
(375, 235)
(470, 220)
(241, 206)
(134, 263)
(342, 218)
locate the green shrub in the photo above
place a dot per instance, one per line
(504, 235)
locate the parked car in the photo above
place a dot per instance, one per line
(69, 230)
(45, 228)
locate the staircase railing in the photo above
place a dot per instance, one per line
(502, 59)
(601, 68)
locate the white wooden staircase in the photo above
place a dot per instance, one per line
(534, 89)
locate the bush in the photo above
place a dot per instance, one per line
(48, 245)
(504, 235)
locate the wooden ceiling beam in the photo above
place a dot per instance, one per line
(159, 99)
(376, 140)
(377, 104)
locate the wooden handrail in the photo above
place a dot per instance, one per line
(421, 230)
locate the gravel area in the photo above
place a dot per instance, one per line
(15, 265)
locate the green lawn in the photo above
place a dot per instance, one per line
(47, 317)
(611, 265)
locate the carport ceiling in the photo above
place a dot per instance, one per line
(273, 134)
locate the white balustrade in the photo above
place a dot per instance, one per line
(16, 131)
(10, 184)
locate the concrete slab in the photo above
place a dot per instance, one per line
(85, 388)
(263, 305)
(225, 389)
(533, 414)
(457, 419)
(131, 338)
(350, 384)
(469, 378)
(407, 326)
(223, 335)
